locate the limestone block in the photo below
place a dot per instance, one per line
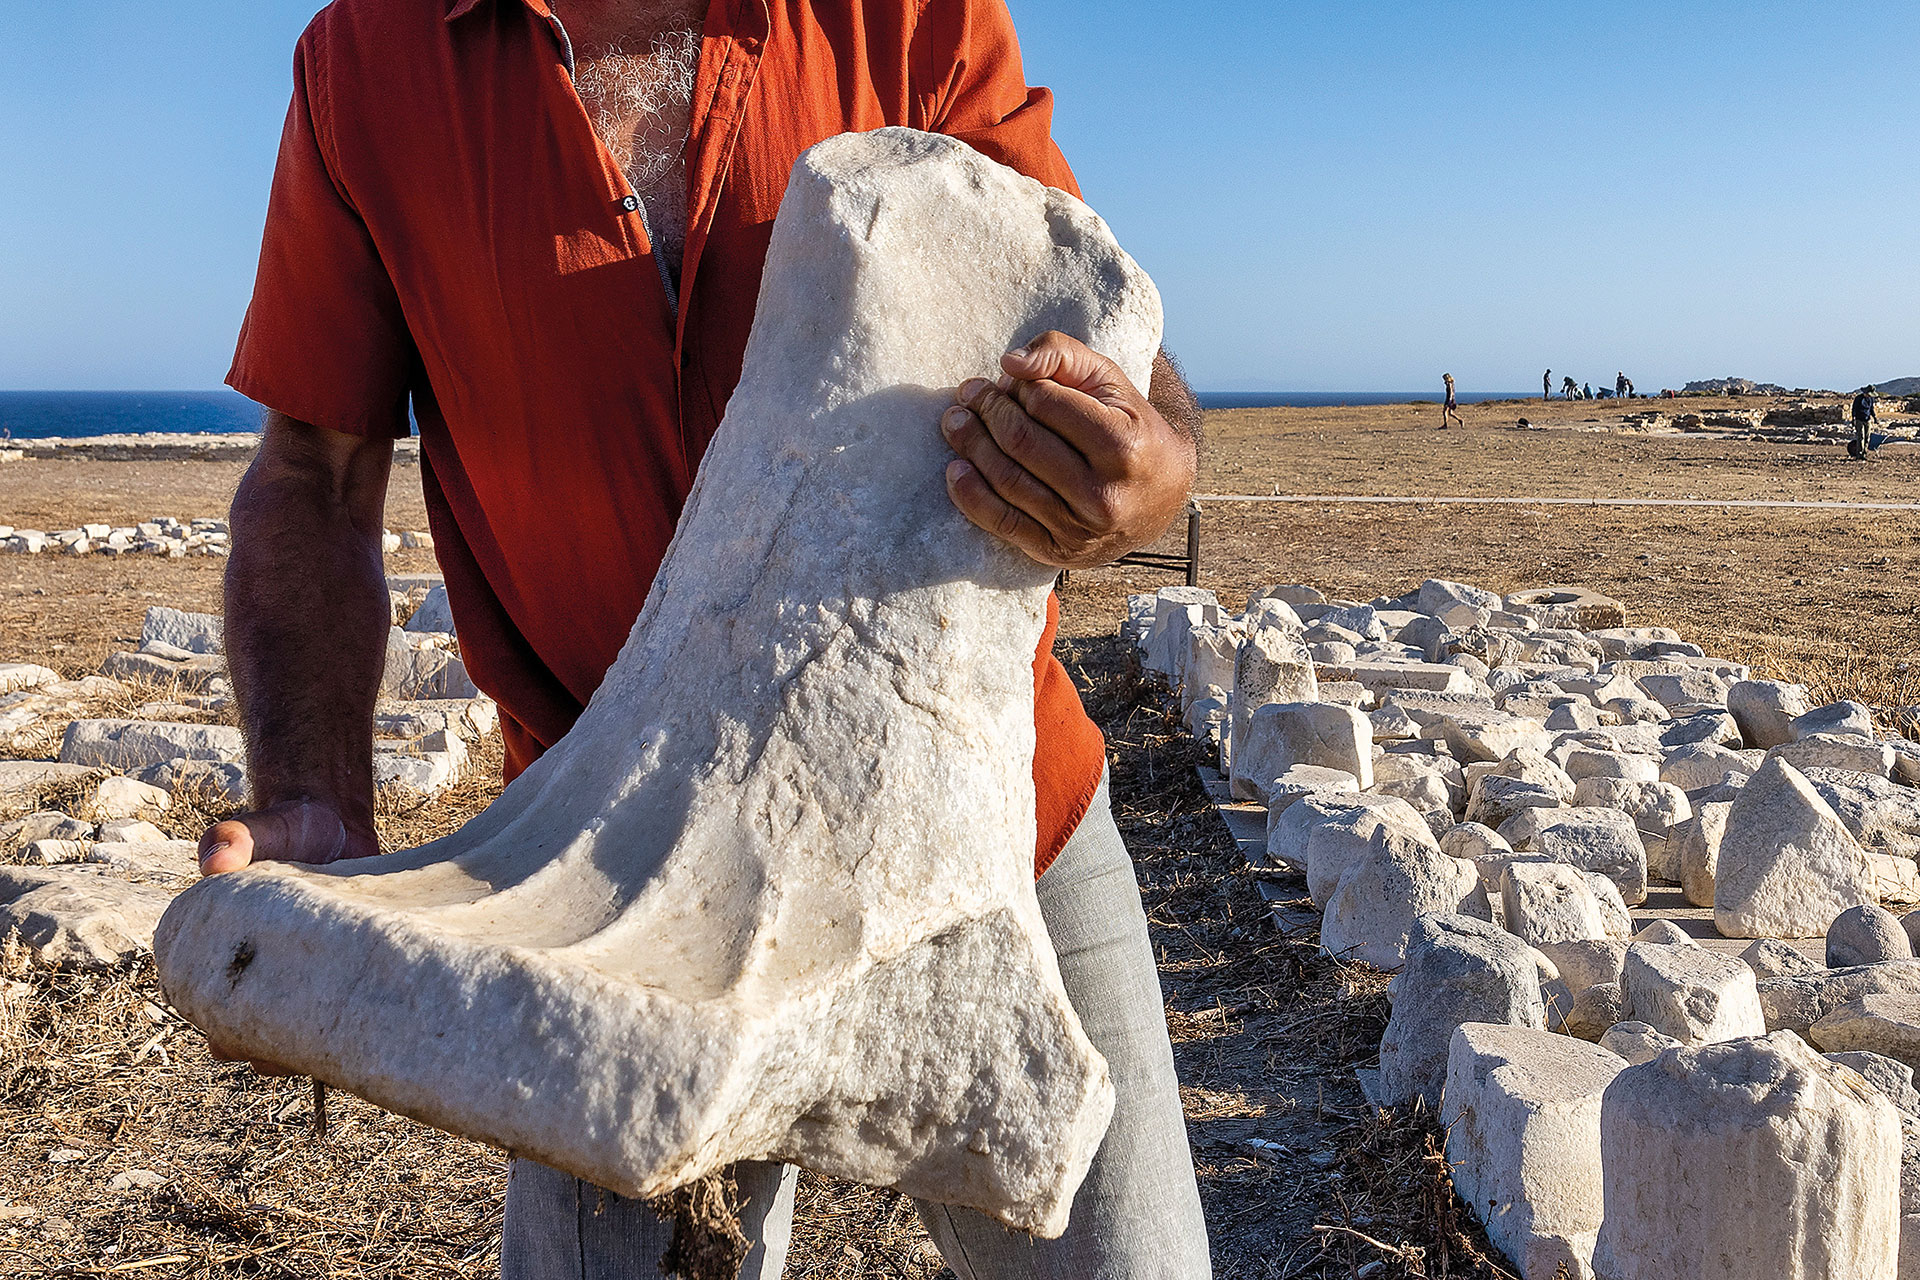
(216, 779)
(1684, 687)
(1835, 719)
(1459, 969)
(418, 667)
(1883, 816)
(119, 797)
(1571, 607)
(1473, 841)
(1361, 619)
(44, 824)
(1279, 735)
(1744, 1159)
(136, 744)
(1667, 934)
(1496, 799)
(129, 831)
(1702, 765)
(1522, 1117)
(1437, 594)
(1592, 762)
(1379, 677)
(1334, 834)
(1910, 922)
(1712, 728)
(1176, 610)
(1293, 593)
(1697, 850)
(1586, 962)
(1400, 878)
(1572, 714)
(1489, 735)
(1530, 765)
(1879, 1023)
(1207, 720)
(1772, 958)
(434, 613)
(1545, 902)
(1586, 838)
(1636, 1042)
(1304, 780)
(1426, 791)
(1764, 710)
(27, 775)
(1655, 807)
(193, 632)
(772, 897)
(1391, 724)
(1795, 1003)
(1787, 865)
(1631, 642)
(1866, 935)
(75, 917)
(1891, 1078)
(1837, 751)
(172, 861)
(1592, 1011)
(190, 672)
(1692, 994)
(1272, 666)
(470, 718)
(1895, 878)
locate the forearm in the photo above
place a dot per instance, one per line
(307, 619)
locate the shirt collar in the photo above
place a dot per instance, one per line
(463, 7)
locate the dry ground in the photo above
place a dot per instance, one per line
(1299, 1181)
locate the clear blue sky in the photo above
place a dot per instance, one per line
(1337, 196)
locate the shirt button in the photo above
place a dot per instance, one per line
(629, 203)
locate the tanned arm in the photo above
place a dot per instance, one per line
(306, 632)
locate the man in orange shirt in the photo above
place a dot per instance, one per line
(542, 226)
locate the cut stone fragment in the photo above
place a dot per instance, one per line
(1586, 962)
(1837, 751)
(1764, 710)
(773, 896)
(1747, 1159)
(1882, 1023)
(1772, 958)
(119, 797)
(1592, 762)
(1655, 807)
(1701, 765)
(1545, 902)
(434, 614)
(1305, 780)
(1458, 970)
(1893, 1079)
(1684, 688)
(1589, 839)
(1398, 880)
(136, 744)
(173, 861)
(1437, 594)
(1883, 816)
(1280, 735)
(1844, 719)
(1522, 1117)
(1713, 728)
(15, 676)
(1795, 1003)
(1787, 864)
(214, 779)
(1490, 735)
(1636, 1042)
(1697, 844)
(192, 672)
(1692, 994)
(190, 632)
(78, 918)
(1497, 798)
(1600, 1006)
(1665, 933)
(1336, 833)
(1866, 935)
(27, 775)
(1271, 666)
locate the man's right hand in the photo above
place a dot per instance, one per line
(293, 831)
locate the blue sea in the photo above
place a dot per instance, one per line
(30, 415)
(38, 414)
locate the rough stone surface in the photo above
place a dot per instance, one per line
(1837, 751)
(1893, 1079)
(1636, 1042)
(1702, 765)
(1522, 1117)
(1586, 962)
(1592, 1011)
(1697, 850)
(1273, 666)
(1883, 816)
(1764, 710)
(1845, 719)
(1787, 864)
(1280, 735)
(709, 923)
(1796, 1002)
(1595, 762)
(1866, 935)
(136, 744)
(434, 613)
(1747, 1159)
(1335, 833)
(1667, 934)
(1772, 958)
(1490, 735)
(119, 797)
(1497, 798)
(1692, 994)
(1545, 902)
(1588, 838)
(78, 918)
(1458, 969)
(1399, 879)
(1655, 807)
(1880, 1023)
(191, 632)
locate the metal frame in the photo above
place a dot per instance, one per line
(1189, 563)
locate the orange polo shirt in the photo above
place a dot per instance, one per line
(446, 228)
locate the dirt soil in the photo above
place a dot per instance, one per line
(229, 1176)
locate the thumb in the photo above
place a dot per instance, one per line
(1055, 357)
(226, 846)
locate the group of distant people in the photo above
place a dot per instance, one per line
(1571, 390)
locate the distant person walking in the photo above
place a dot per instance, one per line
(1450, 411)
(1586, 392)
(1546, 385)
(1865, 416)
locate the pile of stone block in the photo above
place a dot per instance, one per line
(1480, 792)
(89, 886)
(161, 536)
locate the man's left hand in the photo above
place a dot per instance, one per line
(1064, 457)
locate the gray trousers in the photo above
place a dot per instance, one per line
(1136, 1217)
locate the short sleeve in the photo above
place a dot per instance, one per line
(980, 88)
(324, 340)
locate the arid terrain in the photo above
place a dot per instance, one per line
(1300, 1179)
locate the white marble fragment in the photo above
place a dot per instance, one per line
(773, 896)
(1787, 865)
